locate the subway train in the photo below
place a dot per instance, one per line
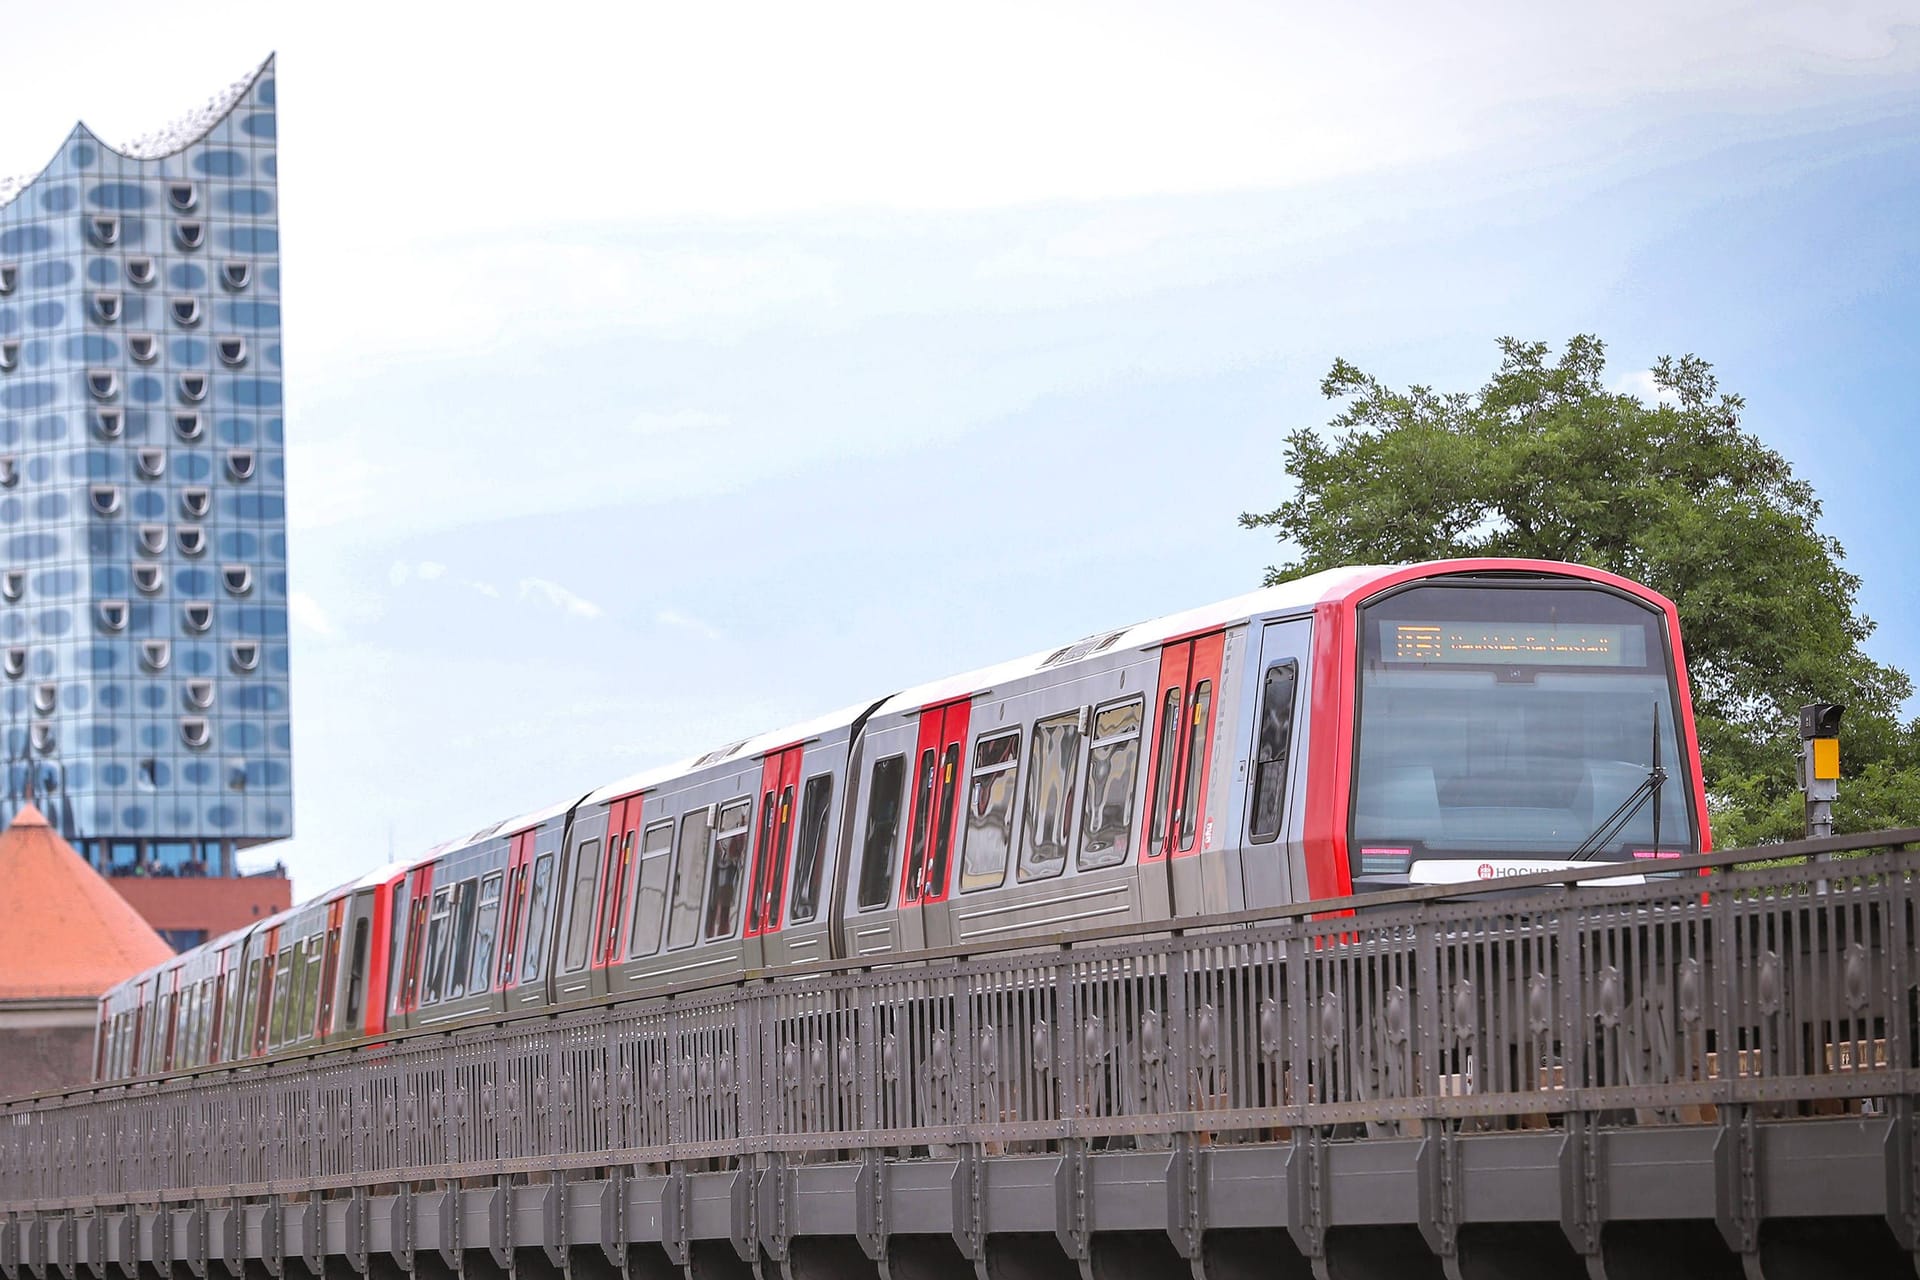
(1345, 733)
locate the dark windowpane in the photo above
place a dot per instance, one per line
(1197, 738)
(883, 826)
(486, 923)
(437, 946)
(729, 869)
(810, 858)
(922, 816)
(465, 904)
(763, 856)
(1271, 750)
(943, 837)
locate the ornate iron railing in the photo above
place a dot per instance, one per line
(1786, 990)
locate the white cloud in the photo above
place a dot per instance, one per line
(486, 589)
(431, 569)
(399, 573)
(307, 614)
(1641, 385)
(541, 590)
(686, 622)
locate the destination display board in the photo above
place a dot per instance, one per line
(1583, 644)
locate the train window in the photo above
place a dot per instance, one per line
(689, 878)
(438, 938)
(249, 1011)
(1050, 782)
(615, 906)
(282, 994)
(729, 868)
(763, 864)
(809, 860)
(1270, 750)
(310, 991)
(396, 945)
(464, 906)
(516, 899)
(936, 881)
(1195, 772)
(357, 974)
(922, 817)
(486, 921)
(329, 981)
(1113, 761)
(989, 838)
(235, 1015)
(586, 879)
(884, 794)
(1169, 730)
(539, 907)
(650, 895)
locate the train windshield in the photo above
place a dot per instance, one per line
(1514, 719)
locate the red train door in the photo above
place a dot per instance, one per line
(934, 816)
(779, 789)
(1178, 825)
(623, 841)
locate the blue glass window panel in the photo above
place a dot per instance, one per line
(92, 348)
(32, 238)
(119, 195)
(249, 202)
(262, 240)
(50, 275)
(37, 394)
(253, 392)
(221, 162)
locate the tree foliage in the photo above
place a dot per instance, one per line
(1545, 461)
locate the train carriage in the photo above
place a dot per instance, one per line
(1347, 732)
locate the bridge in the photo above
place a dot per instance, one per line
(1555, 1075)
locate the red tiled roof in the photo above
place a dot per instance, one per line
(63, 930)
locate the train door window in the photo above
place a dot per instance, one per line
(1113, 761)
(936, 881)
(650, 891)
(809, 859)
(1050, 784)
(249, 1010)
(329, 978)
(539, 907)
(357, 974)
(396, 946)
(689, 878)
(1270, 750)
(586, 879)
(465, 904)
(884, 795)
(770, 860)
(515, 914)
(1169, 731)
(729, 868)
(437, 940)
(763, 862)
(989, 838)
(614, 911)
(486, 922)
(924, 778)
(1195, 768)
(217, 1017)
(416, 950)
(234, 1018)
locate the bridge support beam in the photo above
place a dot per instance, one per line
(1251, 1255)
(821, 1258)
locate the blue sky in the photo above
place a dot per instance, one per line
(656, 377)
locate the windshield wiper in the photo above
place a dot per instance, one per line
(1615, 823)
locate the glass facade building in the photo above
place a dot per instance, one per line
(143, 573)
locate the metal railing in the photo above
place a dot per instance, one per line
(1787, 990)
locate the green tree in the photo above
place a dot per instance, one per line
(1544, 461)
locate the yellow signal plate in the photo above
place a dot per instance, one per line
(1826, 758)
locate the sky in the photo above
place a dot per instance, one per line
(658, 375)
